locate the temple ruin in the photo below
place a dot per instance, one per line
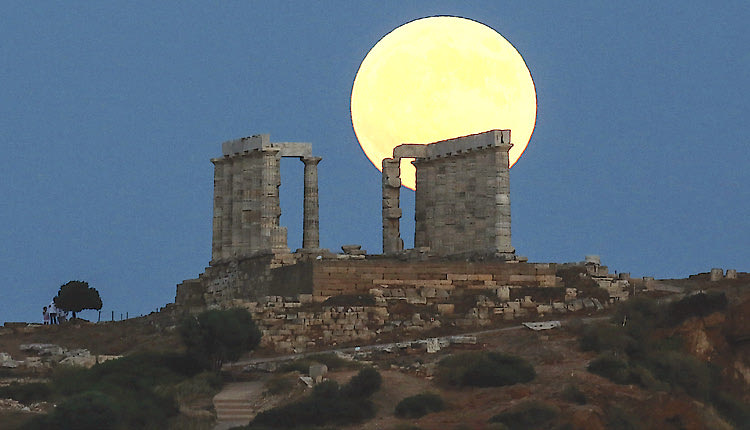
(462, 202)
(462, 247)
(246, 198)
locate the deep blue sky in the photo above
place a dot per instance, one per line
(110, 112)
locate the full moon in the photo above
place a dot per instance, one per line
(438, 78)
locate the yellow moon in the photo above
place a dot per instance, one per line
(437, 78)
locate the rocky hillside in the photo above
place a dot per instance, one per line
(647, 344)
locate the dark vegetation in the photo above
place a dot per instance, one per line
(328, 404)
(76, 296)
(530, 414)
(281, 384)
(575, 277)
(137, 391)
(620, 419)
(217, 336)
(27, 393)
(573, 394)
(419, 405)
(143, 390)
(484, 369)
(631, 352)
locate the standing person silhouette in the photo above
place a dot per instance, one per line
(52, 313)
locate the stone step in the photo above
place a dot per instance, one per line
(235, 403)
(231, 402)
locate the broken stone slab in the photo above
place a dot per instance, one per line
(542, 325)
(42, 349)
(463, 339)
(317, 371)
(7, 361)
(79, 361)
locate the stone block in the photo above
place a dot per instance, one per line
(445, 308)
(543, 309)
(429, 292)
(417, 300)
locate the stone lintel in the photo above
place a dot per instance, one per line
(410, 150)
(456, 146)
(262, 142)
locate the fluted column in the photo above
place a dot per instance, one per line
(311, 222)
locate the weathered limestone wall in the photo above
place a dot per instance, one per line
(296, 325)
(463, 197)
(244, 279)
(332, 277)
(284, 275)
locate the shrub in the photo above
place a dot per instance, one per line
(526, 415)
(419, 405)
(280, 384)
(216, 336)
(203, 385)
(86, 411)
(620, 419)
(683, 371)
(26, 393)
(640, 315)
(732, 409)
(363, 384)
(611, 367)
(327, 404)
(484, 369)
(576, 277)
(573, 394)
(603, 337)
(142, 386)
(696, 305)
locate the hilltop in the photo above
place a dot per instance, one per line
(698, 329)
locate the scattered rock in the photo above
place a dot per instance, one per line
(7, 361)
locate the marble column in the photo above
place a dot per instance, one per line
(392, 242)
(311, 223)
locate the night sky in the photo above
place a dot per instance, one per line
(111, 111)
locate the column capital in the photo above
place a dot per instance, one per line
(311, 160)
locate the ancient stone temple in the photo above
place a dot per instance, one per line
(462, 202)
(462, 232)
(246, 198)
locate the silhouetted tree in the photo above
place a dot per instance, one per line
(76, 296)
(216, 336)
